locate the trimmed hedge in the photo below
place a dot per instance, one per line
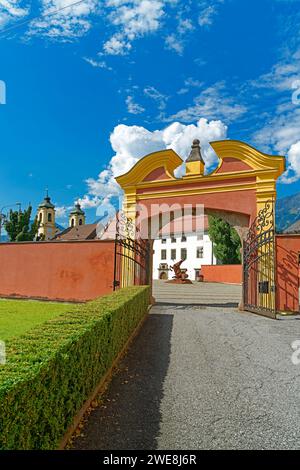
(53, 369)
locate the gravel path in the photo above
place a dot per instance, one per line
(202, 377)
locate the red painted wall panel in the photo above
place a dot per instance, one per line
(74, 271)
(226, 273)
(287, 250)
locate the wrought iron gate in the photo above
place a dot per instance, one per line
(132, 255)
(259, 258)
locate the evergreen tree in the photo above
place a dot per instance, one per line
(19, 227)
(227, 243)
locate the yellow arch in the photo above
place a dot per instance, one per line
(168, 159)
(247, 154)
(262, 168)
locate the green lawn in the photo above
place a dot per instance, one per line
(19, 316)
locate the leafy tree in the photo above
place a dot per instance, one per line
(227, 243)
(19, 226)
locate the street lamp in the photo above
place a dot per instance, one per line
(3, 216)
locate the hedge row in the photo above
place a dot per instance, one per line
(52, 370)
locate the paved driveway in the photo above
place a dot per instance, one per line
(202, 376)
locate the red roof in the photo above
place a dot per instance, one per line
(82, 232)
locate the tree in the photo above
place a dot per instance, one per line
(227, 243)
(19, 226)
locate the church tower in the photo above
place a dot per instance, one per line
(46, 219)
(76, 216)
(195, 163)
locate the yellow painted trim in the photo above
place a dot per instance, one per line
(263, 168)
(168, 159)
(193, 192)
(207, 178)
(249, 155)
(194, 169)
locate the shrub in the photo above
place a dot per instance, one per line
(53, 369)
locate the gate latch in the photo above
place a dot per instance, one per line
(263, 287)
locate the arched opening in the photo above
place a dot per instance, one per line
(49, 217)
(72, 222)
(80, 221)
(163, 276)
(237, 191)
(176, 237)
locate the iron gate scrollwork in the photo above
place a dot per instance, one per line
(259, 258)
(132, 254)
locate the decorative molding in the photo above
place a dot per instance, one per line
(168, 159)
(249, 155)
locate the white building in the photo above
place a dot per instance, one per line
(196, 250)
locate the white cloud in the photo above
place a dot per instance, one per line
(185, 25)
(192, 82)
(61, 212)
(88, 202)
(212, 103)
(293, 165)
(206, 16)
(175, 43)
(11, 10)
(131, 143)
(117, 45)
(152, 93)
(282, 74)
(132, 19)
(281, 131)
(132, 107)
(280, 134)
(208, 12)
(182, 91)
(72, 21)
(97, 63)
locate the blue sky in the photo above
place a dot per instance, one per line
(95, 86)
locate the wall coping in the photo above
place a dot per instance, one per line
(287, 235)
(46, 242)
(220, 265)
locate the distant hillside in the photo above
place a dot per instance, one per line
(287, 211)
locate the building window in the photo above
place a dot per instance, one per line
(199, 252)
(183, 238)
(163, 266)
(40, 217)
(173, 254)
(183, 253)
(80, 221)
(163, 240)
(173, 240)
(72, 223)
(163, 254)
(49, 218)
(200, 237)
